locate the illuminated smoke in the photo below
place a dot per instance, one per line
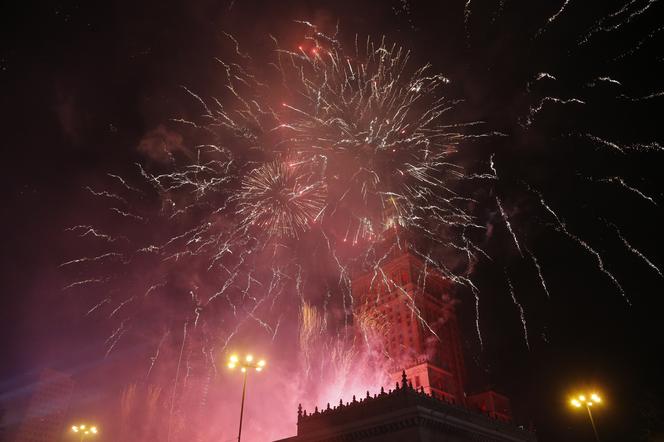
(292, 180)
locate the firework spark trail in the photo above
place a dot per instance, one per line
(98, 280)
(466, 17)
(626, 11)
(605, 143)
(106, 194)
(476, 295)
(122, 304)
(460, 280)
(125, 184)
(534, 110)
(522, 312)
(639, 45)
(604, 80)
(124, 214)
(552, 18)
(86, 230)
(539, 272)
(621, 181)
(104, 256)
(600, 262)
(115, 336)
(98, 305)
(634, 250)
(643, 97)
(153, 358)
(539, 77)
(508, 225)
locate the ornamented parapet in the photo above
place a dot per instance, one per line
(395, 409)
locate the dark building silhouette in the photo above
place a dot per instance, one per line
(45, 418)
(407, 308)
(403, 414)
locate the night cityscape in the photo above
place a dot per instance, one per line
(308, 221)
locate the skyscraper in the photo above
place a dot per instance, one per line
(419, 332)
(45, 418)
(411, 309)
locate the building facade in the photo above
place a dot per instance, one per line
(406, 310)
(421, 334)
(403, 414)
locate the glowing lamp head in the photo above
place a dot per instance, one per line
(595, 398)
(93, 430)
(575, 403)
(261, 363)
(74, 428)
(582, 398)
(249, 358)
(233, 359)
(243, 369)
(259, 369)
(231, 365)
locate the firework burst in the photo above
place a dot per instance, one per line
(305, 163)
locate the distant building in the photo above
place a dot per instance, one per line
(45, 417)
(406, 309)
(404, 414)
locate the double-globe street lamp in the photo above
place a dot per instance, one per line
(245, 364)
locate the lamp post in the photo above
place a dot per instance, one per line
(588, 401)
(245, 365)
(84, 431)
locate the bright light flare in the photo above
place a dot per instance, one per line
(585, 399)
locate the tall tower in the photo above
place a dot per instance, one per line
(411, 310)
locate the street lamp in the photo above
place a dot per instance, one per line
(245, 364)
(84, 431)
(588, 401)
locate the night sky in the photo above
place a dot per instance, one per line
(84, 83)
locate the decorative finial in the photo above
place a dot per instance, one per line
(368, 395)
(299, 411)
(397, 387)
(316, 410)
(382, 390)
(404, 379)
(354, 400)
(328, 406)
(410, 384)
(341, 402)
